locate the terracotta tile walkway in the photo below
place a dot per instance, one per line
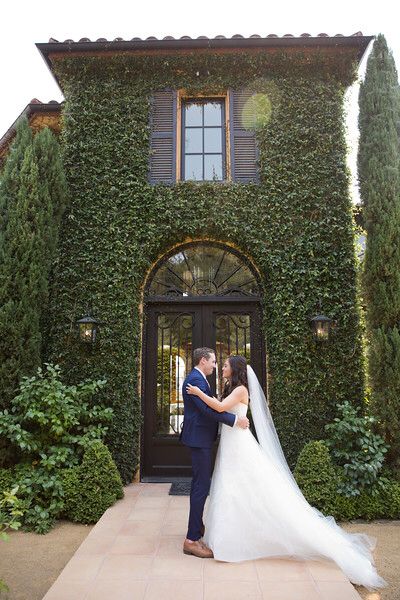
(135, 552)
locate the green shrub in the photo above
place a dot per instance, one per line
(6, 480)
(39, 494)
(355, 447)
(41, 491)
(316, 475)
(320, 481)
(70, 480)
(93, 486)
(9, 453)
(51, 423)
(11, 510)
(343, 508)
(384, 504)
(391, 495)
(369, 507)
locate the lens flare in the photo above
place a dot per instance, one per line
(256, 111)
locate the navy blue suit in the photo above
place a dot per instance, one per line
(199, 431)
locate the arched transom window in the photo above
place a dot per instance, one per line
(204, 269)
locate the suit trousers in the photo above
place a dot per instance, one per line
(201, 480)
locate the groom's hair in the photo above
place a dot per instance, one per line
(199, 353)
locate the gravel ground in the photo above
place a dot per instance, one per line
(386, 555)
(30, 563)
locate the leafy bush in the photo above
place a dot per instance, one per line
(384, 503)
(93, 486)
(10, 512)
(9, 453)
(41, 491)
(51, 423)
(357, 449)
(390, 495)
(320, 479)
(6, 480)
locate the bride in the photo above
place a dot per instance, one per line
(256, 508)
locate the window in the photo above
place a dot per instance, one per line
(203, 269)
(203, 140)
(206, 138)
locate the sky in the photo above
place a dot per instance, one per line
(25, 76)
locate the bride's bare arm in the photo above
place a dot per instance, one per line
(236, 396)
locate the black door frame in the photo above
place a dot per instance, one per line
(204, 306)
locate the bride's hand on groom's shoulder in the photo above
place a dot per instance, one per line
(193, 389)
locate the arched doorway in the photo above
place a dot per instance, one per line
(201, 294)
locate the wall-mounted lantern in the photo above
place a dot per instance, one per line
(321, 326)
(88, 328)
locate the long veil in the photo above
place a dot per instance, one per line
(265, 428)
(351, 551)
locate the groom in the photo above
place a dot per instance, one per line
(200, 429)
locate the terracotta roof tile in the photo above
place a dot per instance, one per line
(53, 49)
(200, 37)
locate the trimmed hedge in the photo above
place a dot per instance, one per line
(87, 490)
(315, 474)
(318, 479)
(93, 486)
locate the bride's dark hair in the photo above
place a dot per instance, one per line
(238, 366)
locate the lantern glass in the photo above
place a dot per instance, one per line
(86, 332)
(322, 330)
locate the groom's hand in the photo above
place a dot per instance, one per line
(243, 422)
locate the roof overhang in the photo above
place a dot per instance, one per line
(39, 114)
(54, 49)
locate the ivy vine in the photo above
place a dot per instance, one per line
(296, 224)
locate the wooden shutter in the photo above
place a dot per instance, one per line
(244, 150)
(162, 168)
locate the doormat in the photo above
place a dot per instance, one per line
(180, 488)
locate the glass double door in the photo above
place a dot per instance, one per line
(173, 331)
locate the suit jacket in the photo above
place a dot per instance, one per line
(200, 423)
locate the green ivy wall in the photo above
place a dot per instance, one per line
(296, 225)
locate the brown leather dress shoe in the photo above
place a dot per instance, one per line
(197, 549)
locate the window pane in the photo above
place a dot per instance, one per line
(212, 140)
(203, 269)
(193, 114)
(212, 113)
(232, 337)
(212, 166)
(174, 354)
(194, 167)
(193, 140)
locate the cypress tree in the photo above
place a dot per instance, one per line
(379, 179)
(9, 179)
(53, 193)
(32, 202)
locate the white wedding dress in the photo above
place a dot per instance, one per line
(254, 511)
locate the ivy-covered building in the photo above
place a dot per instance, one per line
(209, 205)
